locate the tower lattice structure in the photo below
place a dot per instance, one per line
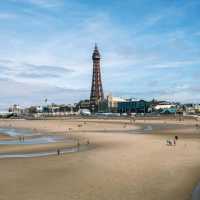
(96, 94)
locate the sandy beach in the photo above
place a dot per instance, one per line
(127, 161)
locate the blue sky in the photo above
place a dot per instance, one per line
(150, 49)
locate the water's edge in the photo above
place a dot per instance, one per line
(44, 154)
(28, 137)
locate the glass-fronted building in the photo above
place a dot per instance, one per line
(133, 106)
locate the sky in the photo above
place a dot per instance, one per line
(149, 49)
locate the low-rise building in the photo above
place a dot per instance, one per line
(191, 108)
(16, 109)
(132, 106)
(160, 105)
(83, 104)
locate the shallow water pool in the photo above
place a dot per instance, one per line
(30, 138)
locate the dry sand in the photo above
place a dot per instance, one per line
(125, 164)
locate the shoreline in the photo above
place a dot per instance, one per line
(50, 152)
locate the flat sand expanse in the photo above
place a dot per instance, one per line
(124, 163)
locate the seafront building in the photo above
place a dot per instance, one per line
(16, 109)
(164, 105)
(113, 103)
(83, 104)
(132, 106)
(191, 108)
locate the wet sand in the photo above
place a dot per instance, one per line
(4, 136)
(125, 163)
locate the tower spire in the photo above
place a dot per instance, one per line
(95, 46)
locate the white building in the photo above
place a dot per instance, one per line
(164, 105)
(113, 102)
(192, 108)
(16, 109)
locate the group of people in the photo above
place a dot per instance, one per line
(172, 142)
(21, 138)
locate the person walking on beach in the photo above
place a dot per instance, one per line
(58, 152)
(78, 145)
(176, 137)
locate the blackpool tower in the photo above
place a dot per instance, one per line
(96, 94)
